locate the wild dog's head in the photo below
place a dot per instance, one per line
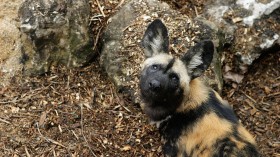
(164, 79)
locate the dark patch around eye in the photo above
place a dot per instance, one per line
(174, 77)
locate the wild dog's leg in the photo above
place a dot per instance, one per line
(232, 147)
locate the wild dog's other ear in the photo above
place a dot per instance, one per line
(198, 58)
(155, 39)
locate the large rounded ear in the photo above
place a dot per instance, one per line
(198, 58)
(155, 39)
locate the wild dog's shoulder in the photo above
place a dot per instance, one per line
(221, 107)
(203, 96)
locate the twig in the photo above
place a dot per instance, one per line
(26, 151)
(26, 96)
(265, 103)
(133, 24)
(75, 134)
(54, 154)
(276, 85)
(47, 138)
(23, 115)
(100, 8)
(4, 121)
(254, 101)
(97, 38)
(273, 94)
(93, 96)
(68, 81)
(119, 101)
(82, 131)
(96, 16)
(8, 102)
(121, 2)
(196, 12)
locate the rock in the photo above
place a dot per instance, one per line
(54, 32)
(112, 39)
(257, 8)
(9, 43)
(254, 25)
(122, 55)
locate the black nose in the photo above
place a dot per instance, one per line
(154, 85)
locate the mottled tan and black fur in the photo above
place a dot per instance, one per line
(192, 118)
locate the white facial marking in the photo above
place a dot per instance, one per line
(180, 69)
(161, 58)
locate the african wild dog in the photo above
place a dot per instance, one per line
(192, 118)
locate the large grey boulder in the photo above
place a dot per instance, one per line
(10, 52)
(255, 27)
(54, 32)
(121, 54)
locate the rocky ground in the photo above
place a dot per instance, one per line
(77, 112)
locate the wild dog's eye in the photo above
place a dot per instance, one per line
(155, 67)
(174, 77)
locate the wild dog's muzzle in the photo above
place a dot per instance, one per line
(154, 85)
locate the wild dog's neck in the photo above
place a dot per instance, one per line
(198, 93)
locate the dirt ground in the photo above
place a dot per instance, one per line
(256, 102)
(76, 112)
